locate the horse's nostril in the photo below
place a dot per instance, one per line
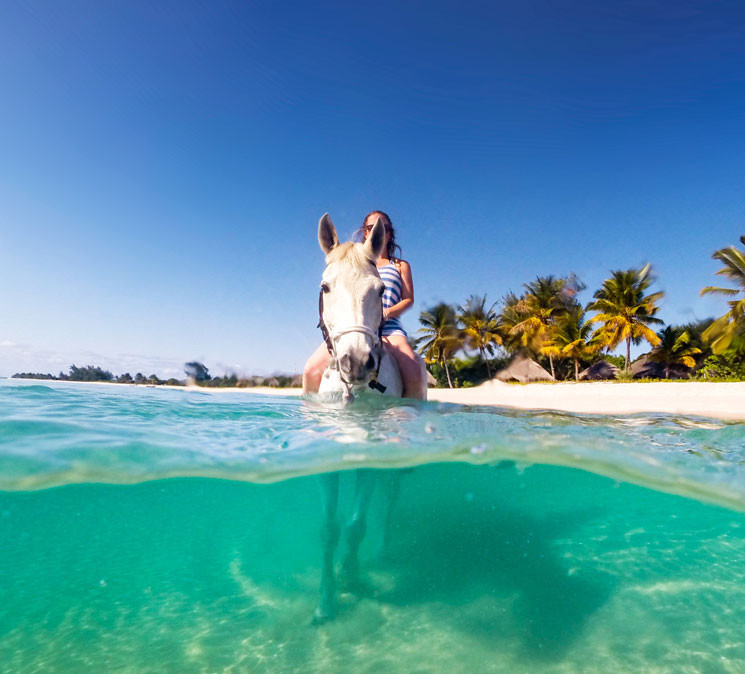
(370, 364)
(345, 363)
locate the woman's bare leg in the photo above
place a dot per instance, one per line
(408, 364)
(313, 370)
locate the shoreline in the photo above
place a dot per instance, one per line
(718, 400)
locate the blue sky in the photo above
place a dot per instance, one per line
(163, 166)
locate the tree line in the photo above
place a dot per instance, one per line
(548, 323)
(193, 370)
(95, 373)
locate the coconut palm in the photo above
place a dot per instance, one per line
(545, 300)
(675, 348)
(440, 336)
(574, 337)
(513, 313)
(480, 327)
(624, 311)
(725, 328)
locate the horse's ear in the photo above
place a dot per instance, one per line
(375, 240)
(327, 234)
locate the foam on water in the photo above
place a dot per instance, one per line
(511, 565)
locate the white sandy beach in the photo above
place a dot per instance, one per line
(725, 400)
(720, 400)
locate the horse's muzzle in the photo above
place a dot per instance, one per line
(357, 368)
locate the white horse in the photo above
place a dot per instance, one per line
(351, 316)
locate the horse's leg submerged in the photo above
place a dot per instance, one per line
(357, 525)
(390, 487)
(329, 538)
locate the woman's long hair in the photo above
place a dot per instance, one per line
(393, 247)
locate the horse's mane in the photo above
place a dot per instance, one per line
(351, 253)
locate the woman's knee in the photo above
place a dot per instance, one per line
(410, 367)
(407, 360)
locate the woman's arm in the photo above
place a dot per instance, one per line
(407, 292)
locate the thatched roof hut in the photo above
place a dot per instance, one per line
(597, 371)
(644, 368)
(523, 369)
(431, 381)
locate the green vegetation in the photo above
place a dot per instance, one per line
(464, 344)
(480, 328)
(574, 338)
(87, 373)
(674, 349)
(624, 311)
(93, 373)
(441, 338)
(726, 366)
(725, 328)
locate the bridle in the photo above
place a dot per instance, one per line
(331, 337)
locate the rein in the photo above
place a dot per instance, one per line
(331, 337)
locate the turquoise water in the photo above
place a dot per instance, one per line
(149, 530)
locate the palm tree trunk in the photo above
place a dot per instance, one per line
(628, 353)
(551, 360)
(576, 369)
(447, 372)
(486, 362)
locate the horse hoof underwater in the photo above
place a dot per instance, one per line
(351, 317)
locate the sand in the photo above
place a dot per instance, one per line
(720, 400)
(708, 399)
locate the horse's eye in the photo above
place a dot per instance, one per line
(324, 287)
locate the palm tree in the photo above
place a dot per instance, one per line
(574, 337)
(675, 348)
(480, 327)
(624, 311)
(513, 313)
(725, 328)
(440, 336)
(546, 299)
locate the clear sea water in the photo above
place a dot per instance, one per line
(151, 530)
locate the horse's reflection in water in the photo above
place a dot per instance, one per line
(351, 314)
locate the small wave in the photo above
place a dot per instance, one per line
(31, 389)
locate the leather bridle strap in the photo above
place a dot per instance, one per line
(322, 325)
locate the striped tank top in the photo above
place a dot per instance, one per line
(391, 277)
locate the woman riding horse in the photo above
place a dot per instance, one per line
(397, 298)
(353, 322)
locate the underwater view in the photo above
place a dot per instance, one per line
(152, 530)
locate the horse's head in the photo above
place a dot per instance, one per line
(351, 304)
